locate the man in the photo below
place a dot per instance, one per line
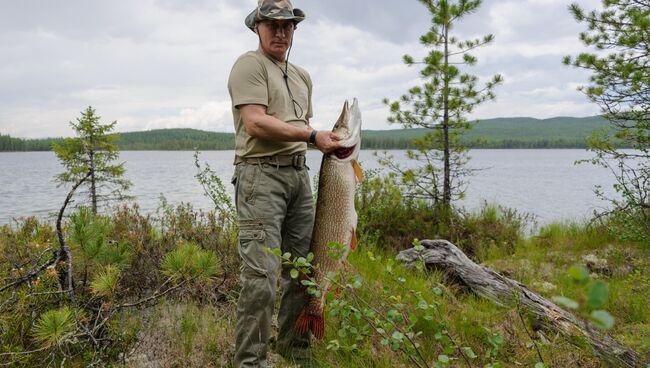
(271, 101)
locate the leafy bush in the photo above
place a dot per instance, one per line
(390, 220)
(629, 225)
(492, 228)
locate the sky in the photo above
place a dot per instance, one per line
(150, 64)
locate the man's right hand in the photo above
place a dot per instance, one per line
(327, 141)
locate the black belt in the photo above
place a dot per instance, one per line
(297, 160)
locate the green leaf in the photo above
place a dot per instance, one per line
(598, 293)
(308, 283)
(602, 319)
(540, 365)
(469, 352)
(569, 303)
(333, 345)
(294, 273)
(356, 281)
(579, 273)
(443, 359)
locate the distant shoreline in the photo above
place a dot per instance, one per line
(501, 133)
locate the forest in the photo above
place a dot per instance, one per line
(561, 132)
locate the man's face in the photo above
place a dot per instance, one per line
(275, 37)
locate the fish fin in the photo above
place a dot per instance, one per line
(310, 322)
(358, 172)
(353, 241)
(318, 327)
(302, 323)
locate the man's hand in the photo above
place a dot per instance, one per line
(327, 141)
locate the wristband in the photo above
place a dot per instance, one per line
(312, 137)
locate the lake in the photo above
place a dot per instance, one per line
(545, 183)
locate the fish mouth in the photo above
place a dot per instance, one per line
(348, 126)
(343, 153)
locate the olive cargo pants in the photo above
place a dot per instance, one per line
(276, 210)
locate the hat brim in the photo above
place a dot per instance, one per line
(254, 17)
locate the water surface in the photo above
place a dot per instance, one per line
(542, 182)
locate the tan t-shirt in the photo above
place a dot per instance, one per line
(254, 79)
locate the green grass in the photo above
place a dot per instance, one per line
(538, 262)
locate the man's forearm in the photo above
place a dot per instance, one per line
(259, 124)
(273, 129)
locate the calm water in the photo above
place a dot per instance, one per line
(543, 182)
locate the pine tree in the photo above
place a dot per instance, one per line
(620, 85)
(441, 104)
(92, 153)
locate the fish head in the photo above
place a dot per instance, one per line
(348, 127)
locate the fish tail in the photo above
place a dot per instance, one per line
(314, 322)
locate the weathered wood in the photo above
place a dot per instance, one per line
(505, 291)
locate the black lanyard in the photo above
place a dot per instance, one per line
(285, 75)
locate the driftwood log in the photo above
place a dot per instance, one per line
(504, 291)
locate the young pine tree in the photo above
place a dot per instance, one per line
(93, 153)
(620, 85)
(441, 104)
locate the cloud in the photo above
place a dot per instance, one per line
(211, 115)
(165, 63)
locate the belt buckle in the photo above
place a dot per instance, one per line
(298, 161)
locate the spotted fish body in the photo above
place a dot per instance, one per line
(336, 217)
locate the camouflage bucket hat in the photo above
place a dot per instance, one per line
(274, 10)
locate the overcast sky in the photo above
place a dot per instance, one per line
(164, 63)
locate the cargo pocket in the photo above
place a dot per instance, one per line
(251, 177)
(254, 257)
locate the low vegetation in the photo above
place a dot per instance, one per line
(140, 271)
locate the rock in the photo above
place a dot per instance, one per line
(596, 265)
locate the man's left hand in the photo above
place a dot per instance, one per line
(327, 141)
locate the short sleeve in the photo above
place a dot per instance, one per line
(307, 79)
(248, 82)
(310, 112)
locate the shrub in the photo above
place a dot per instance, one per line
(119, 262)
(390, 220)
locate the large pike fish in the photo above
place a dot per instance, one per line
(336, 218)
